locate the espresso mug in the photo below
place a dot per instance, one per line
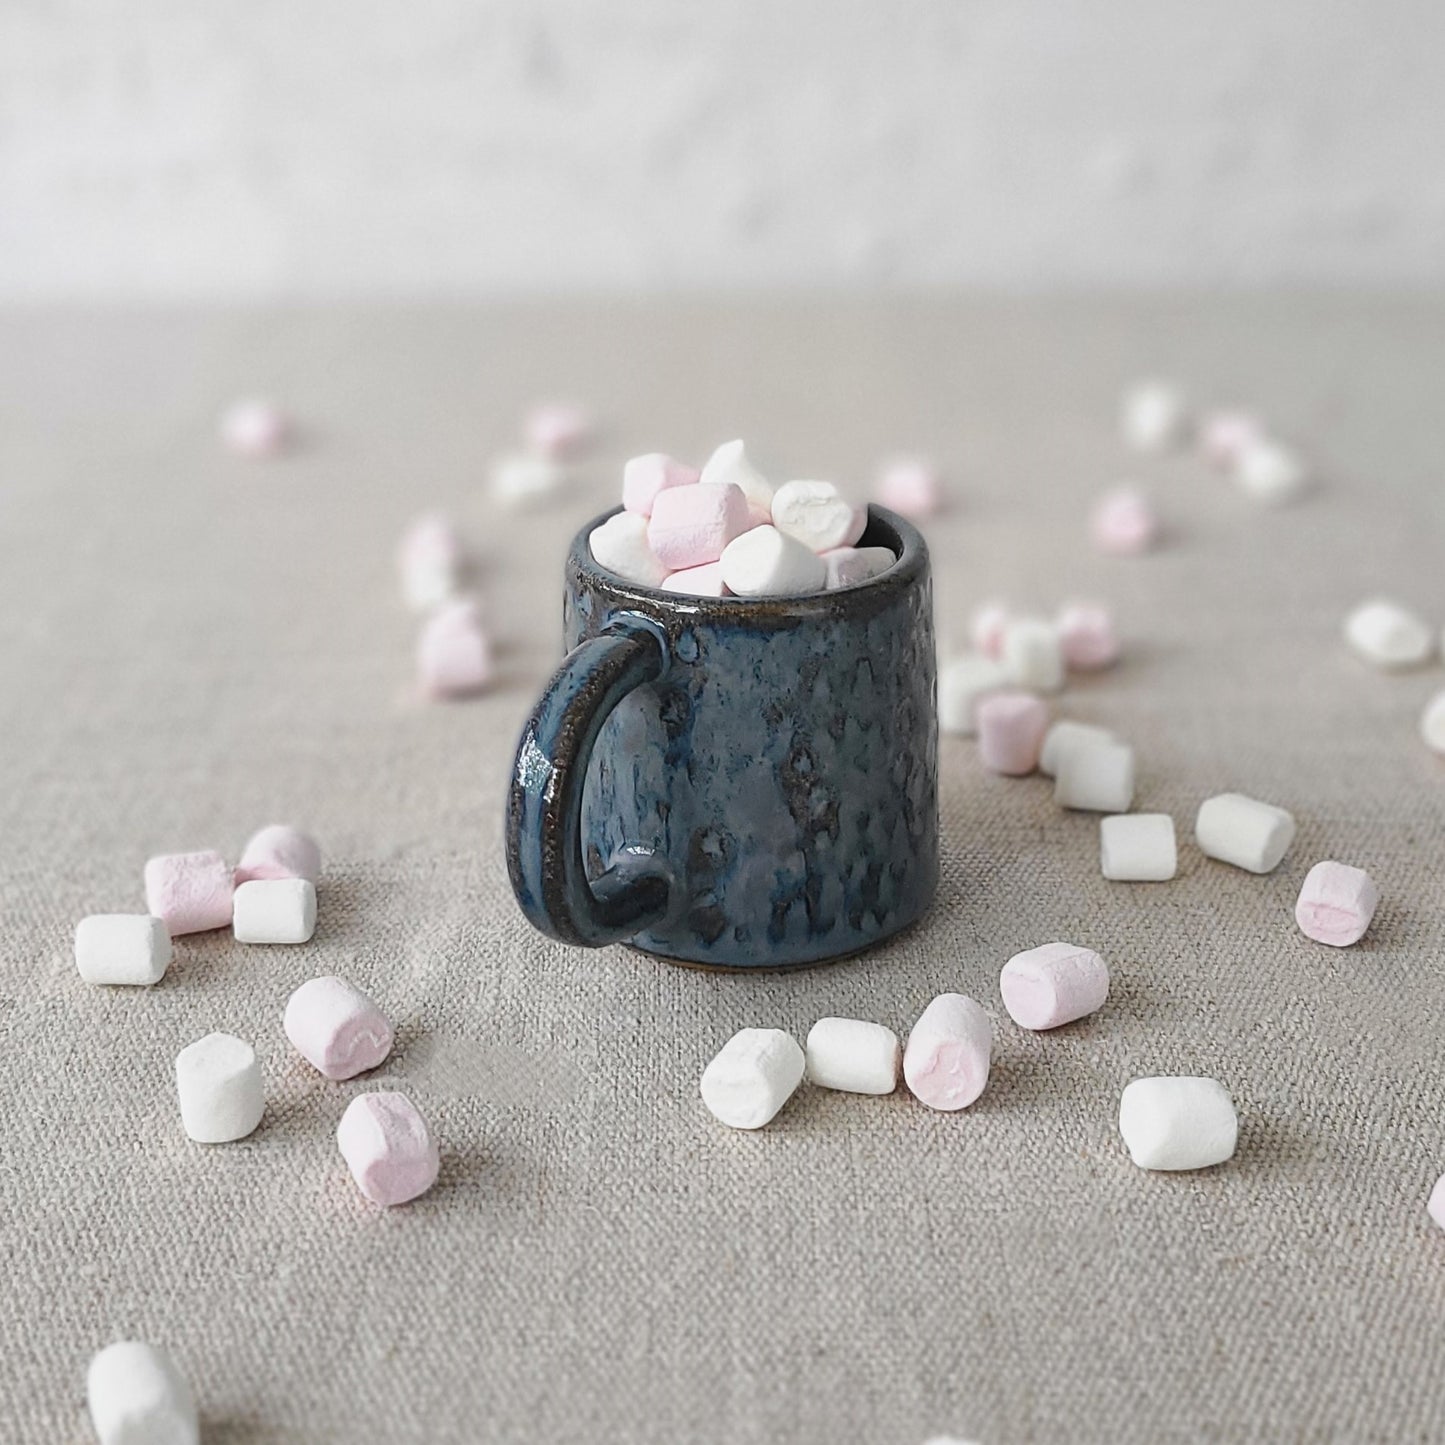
(734, 782)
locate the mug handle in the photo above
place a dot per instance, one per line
(544, 803)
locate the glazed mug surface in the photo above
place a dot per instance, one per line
(732, 782)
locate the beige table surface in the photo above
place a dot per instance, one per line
(193, 646)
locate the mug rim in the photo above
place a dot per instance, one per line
(886, 528)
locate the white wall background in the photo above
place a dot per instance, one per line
(265, 148)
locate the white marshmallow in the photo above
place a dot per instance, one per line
(430, 562)
(946, 1062)
(255, 428)
(1178, 1123)
(620, 545)
(521, 479)
(1432, 723)
(138, 1396)
(1251, 835)
(1153, 416)
(729, 463)
(962, 683)
(218, 1079)
(122, 948)
(1270, 473)
(985, 628)
(765, 562)
(853, 1055)
(848, 566)
(818, 515)
(1138, 848)
(1063, 737)
(275, 910)
(753, 1075)
(1096, 777)
(1388, 635)
(1032, 654)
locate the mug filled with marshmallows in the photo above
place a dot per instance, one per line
(736, 764)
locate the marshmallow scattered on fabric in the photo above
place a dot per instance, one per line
(1011, 728)
(132, 949)
(1336, 904)
(765, 562)
(704, 581)
(643, 478)
(1243, 831)
(218, 1079)
(1124, 523)
(1046, 987)
(853, 1055)
(1178, 1123)
(255, 428)
(730, 464)
(751, 1077)
(818, 515)
(557, 429)
(1388, 635)
(1032, 654)
(693, 525)
(1153, 416)
(521, 479)
(986, 628)
(1096, 777)
(1270, 472)
(848, 566)
(1086, 636)
(1435, 1205)
(279, 851)
(962, 683)
(429, 559)
(1224, 436)
(388, 1148)
(620, 544)
(137, 1395)
(947, 1059)
(336, 1028)
(453, 651)
(1138, 848)
(1065, 735)
(191, 891)
(275, 910)
(1432, 723)
(911, 487)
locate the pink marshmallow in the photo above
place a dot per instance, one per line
(1011, 728)
(190, 892)
(704, 581)
(1336, 904)
(336, 1028)
(644, 477)
(279, 852)
(255, 428)
(1225, 436)
(946, 1062)
(388, 1148)
(986, 628)
(1436, 1205)
(1124, 523)
(911, 487)
(1086, 636)
(453, 655)
(557, 429)
(1053, 985)
(692, 525)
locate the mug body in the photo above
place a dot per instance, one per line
(783, 767)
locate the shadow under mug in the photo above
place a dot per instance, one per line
(732, 782)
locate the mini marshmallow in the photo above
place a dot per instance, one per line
(644, 477)
(1124, 523)
(1224, 436)
(1044, 988)
(336, 1028)
(1251, 835)
(137, 1396)
(751, 1077)
(191, 891)
(1387, 635)
(219, 1083)
(1011, 728)
(693, 525)
(729, 464)
(852, 1055)
(911, 487)
(1435, 1206)
(620, 545)
(962, 683)
(388, 1148)
(848, 566)
(704, 581)
(275, 910)
(453, 651)
(1096, 777)
(1269, 472)
(255, 428)
(946, 1062)
(1153, 417)
(1064, 736)
(1178, 1123)
(122, 948)
(765, 562)
(279, 851)
(1032, 654)
(1432, 723)
(986, 628)
(818, 515)
(520, 479)
(1336, 904)
(557, 429)
(429, 559)
(1086, 637)
(1138, 848)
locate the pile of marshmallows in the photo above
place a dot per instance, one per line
(270, 898)
(1166, 1122)
(727, 532)
(453, 648)
(1392, 638)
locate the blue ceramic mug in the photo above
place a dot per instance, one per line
(740, 783)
